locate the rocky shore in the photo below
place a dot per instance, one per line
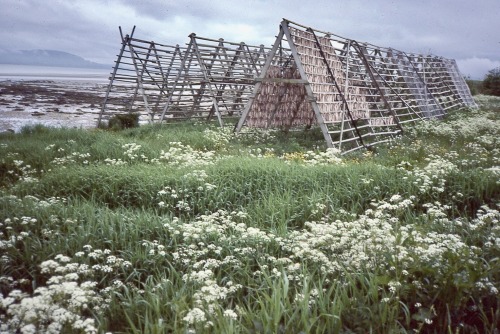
(57, 103)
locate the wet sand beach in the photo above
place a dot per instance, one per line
(50, 96)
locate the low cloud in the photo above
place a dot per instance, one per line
(463, 30)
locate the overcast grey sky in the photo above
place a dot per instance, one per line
(466, 30)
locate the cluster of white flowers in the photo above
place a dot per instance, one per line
(312, 158)
(179, 198)
(261, 153)
(367, 241)
(308, 297)
(219, 137)
(195, 316)
(182, 199)
(58, 307)
(73, 158)
(330, 156)
(477, 130)
(53, 309)
(184, 155)
(437, 212)
(495, 171)
(485, 284)
(15, 230)
(209, 298)
(222, 226)
(471, 125)
(65, 302)
(68, 159)
(431, 178)
(114, 162)
(33, 201)
(131, 150)
(154, 248)
(337, 245)
(23, 172)
(198, 175)
(486, 223)
(487, 100)
(318, 209)
(131, 153)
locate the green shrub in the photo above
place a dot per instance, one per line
(123, 121)
(491, 83)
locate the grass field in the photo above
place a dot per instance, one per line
(186, 228)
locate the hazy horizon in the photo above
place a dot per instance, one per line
(36, 72)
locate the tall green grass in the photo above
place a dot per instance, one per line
(253, 237)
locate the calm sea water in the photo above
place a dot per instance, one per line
(26, 72)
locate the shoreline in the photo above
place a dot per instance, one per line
(35, 72)
(67, 101)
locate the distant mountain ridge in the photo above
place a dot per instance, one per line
(46, 58)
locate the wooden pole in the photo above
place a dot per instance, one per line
(125, 40)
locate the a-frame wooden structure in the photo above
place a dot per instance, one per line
(220, 76)
(359, 94)
(205, 78)
(142, 78)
